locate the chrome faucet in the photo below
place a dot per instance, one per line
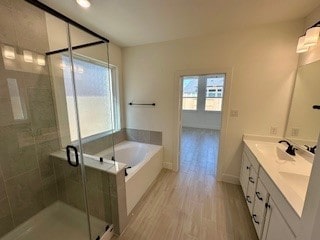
(291, 149)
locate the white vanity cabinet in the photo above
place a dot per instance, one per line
(266, 217)
(249, 177)
(275, 227)
(245, 173)
(260, 207)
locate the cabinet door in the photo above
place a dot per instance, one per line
(253, 177)
(244, 174)
(259, 208)
(276, 227)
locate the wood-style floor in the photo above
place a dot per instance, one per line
(191, 204)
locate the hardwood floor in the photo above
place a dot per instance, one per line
(191, 204)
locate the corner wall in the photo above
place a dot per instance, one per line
(261, 64)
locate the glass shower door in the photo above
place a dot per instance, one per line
(94, 96)
(41, 195)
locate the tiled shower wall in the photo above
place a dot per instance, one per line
(27, 181)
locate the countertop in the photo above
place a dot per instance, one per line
(293, 193)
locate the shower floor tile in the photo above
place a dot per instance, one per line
(56, 222)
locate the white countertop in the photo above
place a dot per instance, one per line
(93, 162)
(290, 174)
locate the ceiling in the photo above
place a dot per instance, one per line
(137, 22)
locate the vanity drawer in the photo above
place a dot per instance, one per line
(259, 209)
(252, 159)
(250, 197)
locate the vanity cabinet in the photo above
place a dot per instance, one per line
(245, 173)
(267, 219)
(252, 182)
(276, 227)
(248, 178)
(260, 207)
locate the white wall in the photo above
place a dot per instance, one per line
(260, 64)
(201, 119)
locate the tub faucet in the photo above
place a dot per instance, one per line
(291, 149)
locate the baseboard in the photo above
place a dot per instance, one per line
(167, 165)
(230, 179)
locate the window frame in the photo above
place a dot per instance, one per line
(197, 97)
(216, 93)
(115, 98)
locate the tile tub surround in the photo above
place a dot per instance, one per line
(95, 146)
(144, 136)
(105, 191)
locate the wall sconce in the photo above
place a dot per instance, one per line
(27, 56)
(310, 38)
(41, 60)
(301, 47)
(9, 52)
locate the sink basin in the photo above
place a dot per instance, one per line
(273, 151)
(297, 181)
(294, 171)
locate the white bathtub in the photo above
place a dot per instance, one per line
(145, 161)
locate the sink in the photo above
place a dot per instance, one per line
(294, 171)
(297, 181)
(273, 151)
(282, 155)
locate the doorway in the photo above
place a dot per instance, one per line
(201, 114)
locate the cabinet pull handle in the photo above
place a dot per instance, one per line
(267, 205)
(254, 219)
(251, 179)
(248, 199)
(258, 196)
(248, 167)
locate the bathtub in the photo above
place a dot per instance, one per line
(145, 161)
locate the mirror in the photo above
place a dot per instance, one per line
(303, 125)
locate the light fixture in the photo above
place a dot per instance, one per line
(84, 3)
(41, 60)
(312, 36)
(27, 56)
(301, 47)
(8, 52)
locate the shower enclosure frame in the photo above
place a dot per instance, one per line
(69, 50)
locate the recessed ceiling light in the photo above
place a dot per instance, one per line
(84, 3)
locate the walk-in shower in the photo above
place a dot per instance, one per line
(57, 90)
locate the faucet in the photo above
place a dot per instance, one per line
(311, 149)
(291, 149)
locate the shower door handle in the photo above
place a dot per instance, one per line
(76, 163)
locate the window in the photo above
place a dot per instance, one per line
(190, 93)
(214, 93)
(96, 95)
